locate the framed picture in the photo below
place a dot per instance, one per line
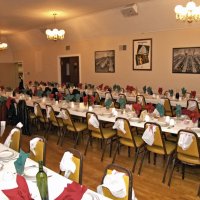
(186, 60)
(105, 61)
(142, 54)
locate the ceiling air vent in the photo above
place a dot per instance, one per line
(129, 10)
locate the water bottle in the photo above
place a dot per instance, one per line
(42, 182)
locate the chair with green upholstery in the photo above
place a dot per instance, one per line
(130, 140)
(106, 135)
(160, 146)
(72, 126)
(78, 160)
(186, 156)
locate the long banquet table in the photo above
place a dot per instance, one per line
(54, 179)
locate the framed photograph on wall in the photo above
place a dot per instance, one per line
(142, 54)
(186, 60)
(105, 61)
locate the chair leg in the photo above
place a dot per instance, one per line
(171, 173)
(129, 152)
(62, 138)
(198, 194)
(104, 149)
(111, 142)
(89, 138)
(149, 157)
(135, 159)
(115, 153)
(166, 167)
(139, 171)
(76, 140)
(154, 158)
(183, 171)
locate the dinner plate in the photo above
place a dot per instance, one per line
(30, 172)
(107, 114)
(6, 154)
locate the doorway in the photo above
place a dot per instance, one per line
(70, 69)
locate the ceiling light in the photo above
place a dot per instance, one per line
(55, 34)
(3, 45)
(189, 13)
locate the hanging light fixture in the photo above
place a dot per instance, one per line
(189, 13)
(3, 45)
(55, 34)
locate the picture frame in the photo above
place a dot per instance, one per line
(142, 54)
(186, 60)
(105, 61)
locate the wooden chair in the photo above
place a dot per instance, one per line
(54, 122)
(160, 146)
(190, 156)
(72, 126)
(168, 107)
(40, 150)
(129, 140)
(78, 160)
(106, 135)
(16, 140)
(128, 179)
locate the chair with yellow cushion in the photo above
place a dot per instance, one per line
(141, 100)
(106, 135)
(72, 126)
(160, 146)
(188, 156)
(41, 118)
(54, 121)
(78, 160)
(128, 179)
(168, 107)
(16, 140)
(40, 150)
(129, 140)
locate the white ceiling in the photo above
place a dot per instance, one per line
(22, 15)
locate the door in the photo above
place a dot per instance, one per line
(70, 69)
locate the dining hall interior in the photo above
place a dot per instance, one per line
(112, 83)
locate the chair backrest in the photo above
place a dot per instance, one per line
(141, 100)
(194, 148)
(195, 106)
(39, 110)
(16, 140)
(158, 135)
(90, 127)
(127, 128)
(128, 179)
(167, 107)
(40, 150)
(68, 120)
(52, 114)
(78, 160)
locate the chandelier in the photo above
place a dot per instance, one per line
(55, 34)
(3, 46)
(189, 13)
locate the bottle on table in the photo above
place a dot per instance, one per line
(42, 182)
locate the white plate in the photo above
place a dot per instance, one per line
(30, 172)
(196, 130)
(6, 154)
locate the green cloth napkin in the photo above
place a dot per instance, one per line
(160, 109)
(122, 102)
(108, 103)
(39, 93)
(77, 97)
(20, 162)
(69, 97)
(178, 111)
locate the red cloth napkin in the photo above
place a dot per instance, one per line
(193, 94)
(51, 96)
(137, 107)
(60, 96)
(100, 86)
(20, 193)
(160, 90)
(8, 102)
(73, 191)
(150, 108)
(80, 85)
(85, 99)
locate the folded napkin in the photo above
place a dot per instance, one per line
(185, 140)
(129, 107)
(20, 162)
(143, 115)
(119, 125)
(178, 111)
(77, 97)
(85, 100)
(33, 144)
(108, 103)
(2, 128)
(9, 138)
(148, 135)
(114, 182)
(73, 191)
(48, 111)
(67, 165)
(122, 102)
(193, 94)
(137, 107)
(150, 108)
(39, 93)
(62, 114)
(114, 112)
(36, 109)
(69, 97)
(160, 109)
(17, 191)
(192, 105)
(93, 121)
